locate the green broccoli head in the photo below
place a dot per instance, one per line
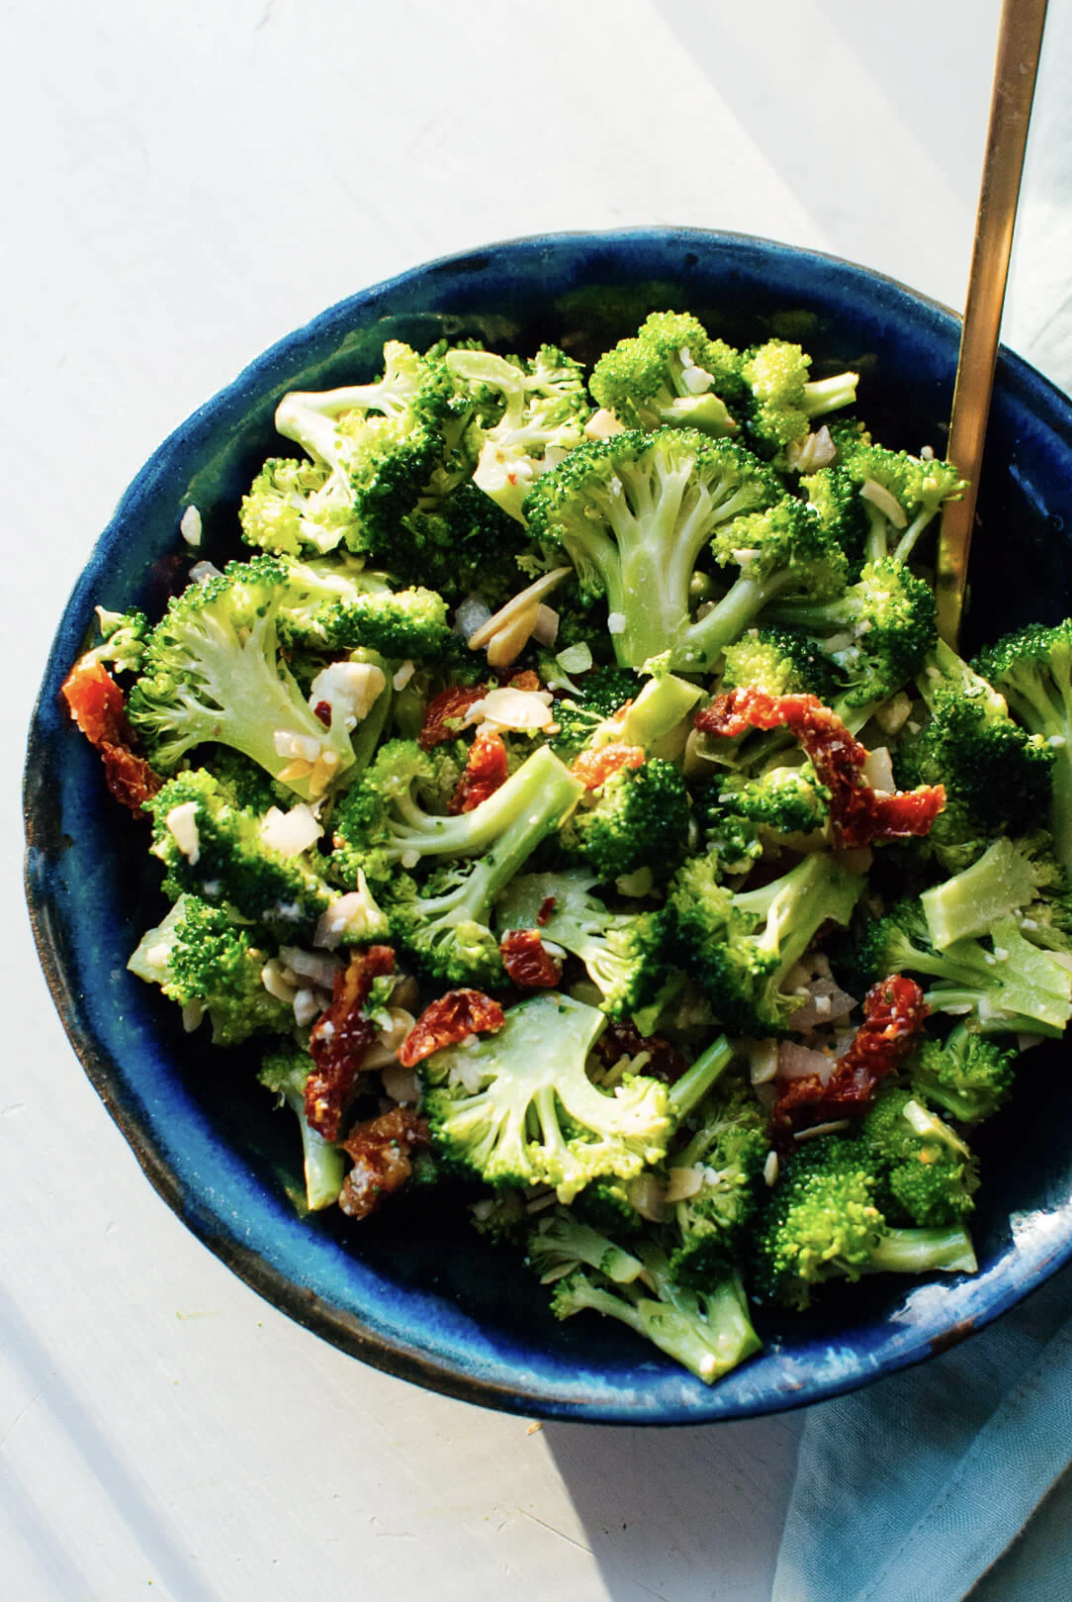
(518, 1108)
(969, 1075)
(561, 1242)
(221, 852)
(640, 819)
(821, 1222)
(780, 662)
(834, 495)
(925, 1173)
(296, 507)
(784, 399)
(212, 673)
(671, 374)
(727, 1154)
(204, 961)
(284, 1071)
(600, 694)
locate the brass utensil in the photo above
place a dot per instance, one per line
(1015, 70)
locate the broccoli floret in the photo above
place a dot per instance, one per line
(969, 1075)
(218, 851)
(560, 1243)
(463, 543)
(671, 374)
(444, 923)
(1000, 774)
(890, 616)
(902, 494)
(1012, 986)
(634, 513)
(780, 662)
(822, 1222)
(205, 962)
(406, 624)
(212, 672)
(284, 1072)
(534, 1116)
(925, 1173)
(727, 1153)
(296, 507)
(782, 801)
(607, 1205)
(709, 1332)
(741, 947)
(1007, 878)
(544, 410)
(383, 443)
(123, 637)
(1033, 670)
(640, 819)
(580, 716)
(501, 1216)
(834, 494)
(623, 952)
(784, 400)
(380, 820)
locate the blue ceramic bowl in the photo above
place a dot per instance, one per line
(421, 1296)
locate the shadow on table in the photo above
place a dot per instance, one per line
(41, 1524)
(687, 1515)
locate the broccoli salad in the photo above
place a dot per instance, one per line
(569, 792)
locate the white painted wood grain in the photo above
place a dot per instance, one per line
(184, 183)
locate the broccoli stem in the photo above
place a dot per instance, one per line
(822, 395)
(971, 902)
(541, 778)
(697, 1080)
(325, 1168)
(919, 1251)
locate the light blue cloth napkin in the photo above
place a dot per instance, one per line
(916, 1488)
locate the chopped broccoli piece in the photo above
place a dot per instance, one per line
(640, 819)
(780, 662)
(560, 1243)
(215, 849)
(822, 1222)
(888, 622)
(709, 1332)
(1033, 670)
(201, 959)
(635, 512)
(1006, 879)
(212, 672)
(123, 637)
(969, 1075)
(535, 1116)
(902, 494)
(728, 1153)
(741, 947)
(784, 399)
(670, 374)
(923, 1170)
(284, 1072)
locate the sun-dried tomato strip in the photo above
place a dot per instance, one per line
(96, 704)
(546, 912)
(444, 1022)
(620, 1040)
(859, 815)
(322, 710)
(340, 1038)
(445, 713)
(594, 768)
(894, 1014)
(527, 679)
(488, 767)
(382, 1150)
(129, 778)
(528, 962)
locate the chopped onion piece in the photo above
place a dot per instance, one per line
(877, 771)
(799, 1062)
(763, 1060)
(291, 832)
(190, 526)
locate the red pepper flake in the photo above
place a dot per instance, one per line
(382, 1150)
(594, 768)
(322, 710)
(620, 1040)
(444, 1022)
(445, 712)
(340, 1038)
(488, 767)
(527, 961)
(859, 814)
(97, 705)
(894, 1014)
(547, 907)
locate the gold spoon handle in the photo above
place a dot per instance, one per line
(1019, 45)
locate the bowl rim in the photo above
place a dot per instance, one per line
(304, 1306)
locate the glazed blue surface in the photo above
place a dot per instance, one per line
(426, 1299)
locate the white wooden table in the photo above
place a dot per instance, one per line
(184, 183)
